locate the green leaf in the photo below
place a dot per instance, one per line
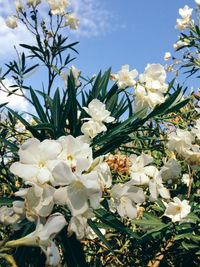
(149, 223)
(150, 216)
(38, 106)
(27, 125)
(56, 110)
(12, 146)
(193, 217)
(189, 246)
(100, 235)
(72, 250)
(109, 219)
(7, 200)
(72, 105)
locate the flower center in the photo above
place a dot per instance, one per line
(178, 208)
(41, 164)
(125, 77)
(79, 184)
(70, 158)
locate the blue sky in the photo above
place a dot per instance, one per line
(112, 33)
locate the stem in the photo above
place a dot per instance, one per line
(190, 184)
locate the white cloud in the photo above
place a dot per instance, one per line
(18, 103)
(12, 37)
(95, 19)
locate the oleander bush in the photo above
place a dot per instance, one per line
(104, 171)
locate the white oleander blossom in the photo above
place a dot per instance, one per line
(104, 174)
(167, 56)
(43, 237)
(179, 44)
(180, 141)
(186, 179)
(154, 78)
(37, 160)
(196, 129)
(72, 21)
(57, 7)
(170, 171)
(13, 215)
(76, 73)
(177, 210)
(139, 171)
(156, 187)
(78, 225)
(18, 5)
(11, 21)
(145, 98)
(124, 77)
(38, 200)
(73, 149)
(99, 114)
(92, 128)
(31, 2)
(80, 188)
(124, 198)
(186, 14)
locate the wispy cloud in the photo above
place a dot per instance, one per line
(95, 19)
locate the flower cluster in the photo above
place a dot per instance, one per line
(183, 142)
(149, 89)
(99, 114)
(186, 14)
(57, 7)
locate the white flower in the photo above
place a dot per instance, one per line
(14, 215)
(58, 6)
(38, 200)
(179, 44)
(124, 77)
(11, 21)
(43, 236)
(177, 210)
(123, 199)
(139, 170)
(98, 112)
(78, 225)
(181, 141)
(36, 160)
(167, 56)
(18, 5)
(186, 14)
(73, 149)
(140, 101)
(76, 73)
(31, 2)
(80, 188)
(186, 179)
(170, 171)
(154, 78)
(196, 129)
(92, 128)
(156, 187)
(198, 2)
(72, 21)
(104, 174)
